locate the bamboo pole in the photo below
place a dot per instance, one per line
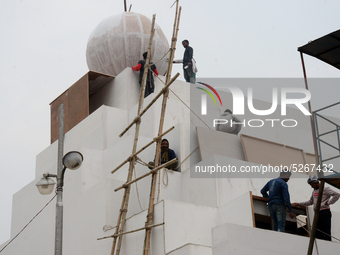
(125, 201)
(147, 174)
(165, 97)
(142, 149)
(149, 105)
(160, 93)
(132, 231)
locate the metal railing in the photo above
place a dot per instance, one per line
(320, 136)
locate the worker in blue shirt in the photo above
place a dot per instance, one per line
(278, 199)
(167, 154)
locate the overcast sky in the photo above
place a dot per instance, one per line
(43, 45)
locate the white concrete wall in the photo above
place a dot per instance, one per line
(239, 240)
(237, 211)
(190, 207)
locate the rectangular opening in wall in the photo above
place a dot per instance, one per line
(262, 217)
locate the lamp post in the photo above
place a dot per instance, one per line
(71, 160)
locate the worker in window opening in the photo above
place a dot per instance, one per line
(329, 197)
(229, 126)
(167, 154)
(150, 86)
(278, 199)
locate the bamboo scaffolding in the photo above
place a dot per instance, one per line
(132, 231)
(165, 97)
(142, 149)
(149, 105)
(125, 201)
(125, 185)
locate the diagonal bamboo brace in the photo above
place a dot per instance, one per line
(132, 231)
(150, 104)
(136, 153)
(160, 93)
(125, 185)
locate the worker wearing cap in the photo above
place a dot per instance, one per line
(329, 197)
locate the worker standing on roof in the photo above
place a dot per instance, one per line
(278, 199)
(189, 64)
(150, 86)
(329, 197)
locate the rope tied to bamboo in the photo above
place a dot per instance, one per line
(156, 139)
(148, 226)
(149, 216)
(138, 119)
(130, 158)
(137, 192)
(165, 174)
(138, 160)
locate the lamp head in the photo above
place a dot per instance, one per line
(73, 160)
(45, 185)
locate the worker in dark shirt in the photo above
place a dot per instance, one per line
(150, 86)
(278, 199)
(167, 154)
(187, 62)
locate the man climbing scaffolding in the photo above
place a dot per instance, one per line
(150, 86)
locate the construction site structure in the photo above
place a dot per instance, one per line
(327, 49)
(189, 211)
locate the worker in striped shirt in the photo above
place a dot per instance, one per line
(329, 197)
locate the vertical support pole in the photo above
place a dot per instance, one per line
(125, 202)
(157, 158)
(316, 218)
(310, 109)
(59, 205)
(320, 173)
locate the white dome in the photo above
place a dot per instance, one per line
(119, 42)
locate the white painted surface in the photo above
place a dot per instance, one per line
(192, 249)
(190, 207)
(237, 211)
(239, 240)
(228, 145)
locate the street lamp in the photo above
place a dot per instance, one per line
(46, 185)
(71, 160)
